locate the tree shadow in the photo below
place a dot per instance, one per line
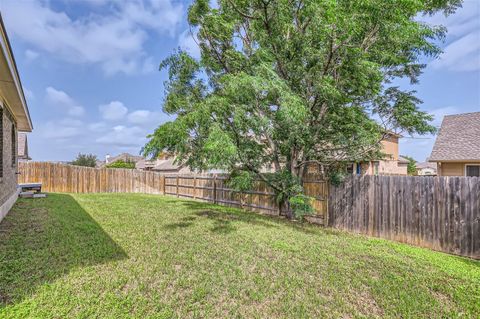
(223, 227)
(224, 216)
(178, 225)
(43, 239)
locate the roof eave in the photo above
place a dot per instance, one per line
(24, 123)
(436, 160)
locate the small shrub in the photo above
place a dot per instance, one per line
(301, 205)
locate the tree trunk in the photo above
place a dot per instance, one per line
(285, 209)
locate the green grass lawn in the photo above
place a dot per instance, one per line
(129, 255)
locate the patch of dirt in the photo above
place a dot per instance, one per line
(367, 305)
(4, 299)
(442, 299)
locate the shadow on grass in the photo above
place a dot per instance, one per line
(178, 225)
(225, 216)
(43, 239)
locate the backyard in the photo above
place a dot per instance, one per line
(132, 255)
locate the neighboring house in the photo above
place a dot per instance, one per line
(14, 117)
(391, 164)
(23, 147)
(168, 166)
(145, 164)
(126, 157)
(99, 163)
(426, 169)
(165, 163)
(457, 147)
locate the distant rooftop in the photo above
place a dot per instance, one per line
(458, 138)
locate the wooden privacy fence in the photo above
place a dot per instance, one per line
(442, 213)
(76, 179)
(64, 178)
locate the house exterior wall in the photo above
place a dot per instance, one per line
(387, 166)
(384, 168)
(453, 168)
(8, 180)
(390, 147)
(428, 171)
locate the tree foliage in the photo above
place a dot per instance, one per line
(121, 164)
(411, 166)
(283, 84)
(88, 160)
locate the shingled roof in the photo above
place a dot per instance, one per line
(458, 139)
(126, 157)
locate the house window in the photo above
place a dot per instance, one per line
(14, 145)
(472, 170)
(350, 168)
(375, 168)
(359, 169)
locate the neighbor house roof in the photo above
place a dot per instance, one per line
(22, 146)
(403, 160)
(144, 164)
(167, 165)
(458, 138)
(11, 90)
(426, 165)
(125, 157)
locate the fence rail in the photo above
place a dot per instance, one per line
(57, 177)
(442, 213)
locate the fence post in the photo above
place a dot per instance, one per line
(215, 189)
(163, 184)
(327, 200)
(194, 186)
(177, 184)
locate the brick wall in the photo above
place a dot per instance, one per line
(8, 180)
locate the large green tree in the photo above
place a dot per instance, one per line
(88, 160)
(283, 84)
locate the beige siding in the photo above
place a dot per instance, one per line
(390, 147)
(453, 169)
(392, 168)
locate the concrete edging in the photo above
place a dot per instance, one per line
(5, 207)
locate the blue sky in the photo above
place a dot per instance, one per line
(90, 71)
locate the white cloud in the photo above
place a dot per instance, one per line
(159, 15)
(31, 55)
(62, 100)
(187, 42)
(113, 111)
(91, 2)
(115, 40)
(56, 130)
(98, 127)
(70, 122)
(462, 53)
(149, 66)
(121, 135)
(144, 117)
